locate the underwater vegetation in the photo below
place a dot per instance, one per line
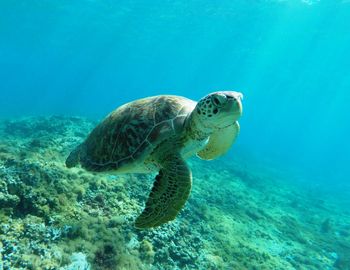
(237, 217)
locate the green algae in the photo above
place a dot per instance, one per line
(236, 218)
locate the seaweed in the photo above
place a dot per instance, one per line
(237, 217)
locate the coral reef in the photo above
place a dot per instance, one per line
(238, 216)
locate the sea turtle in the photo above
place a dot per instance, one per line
(157, 134)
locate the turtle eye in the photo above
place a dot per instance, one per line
(219, 100)
(216, 101)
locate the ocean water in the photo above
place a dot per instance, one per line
(281, 196)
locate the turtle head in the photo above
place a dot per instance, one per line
(218, 110)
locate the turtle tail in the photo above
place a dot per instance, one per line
(74, 157)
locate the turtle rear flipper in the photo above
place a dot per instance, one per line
(74, 157)
(169, 193)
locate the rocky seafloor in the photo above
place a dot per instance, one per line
(238, 216)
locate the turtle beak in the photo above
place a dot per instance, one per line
(236, 105)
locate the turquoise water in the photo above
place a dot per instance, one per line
(289, 58)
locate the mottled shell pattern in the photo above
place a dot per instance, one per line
(132, 132)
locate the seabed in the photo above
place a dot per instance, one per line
(239, 215)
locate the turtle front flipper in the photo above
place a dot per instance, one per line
(220, 142)
(170, 192)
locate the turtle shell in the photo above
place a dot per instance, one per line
(131, 132)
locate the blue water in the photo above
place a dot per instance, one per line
(290, 59)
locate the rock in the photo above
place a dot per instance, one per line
(78, 262)
(326, 226)
(116, 221)
(106, 257)
(8, 200)
(146, 251)
(214, 261)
